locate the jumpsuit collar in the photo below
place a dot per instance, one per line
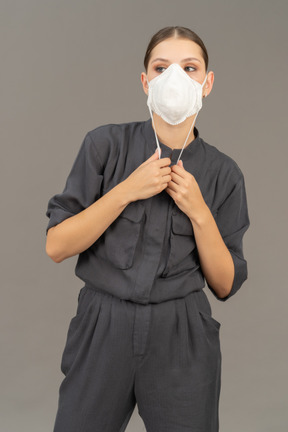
(168, 151)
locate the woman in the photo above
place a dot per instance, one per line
(153, 211)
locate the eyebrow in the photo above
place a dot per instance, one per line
(184, 60)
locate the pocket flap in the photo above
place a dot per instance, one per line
(133, 212)
(181, 224)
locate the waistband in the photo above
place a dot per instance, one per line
(163, 290)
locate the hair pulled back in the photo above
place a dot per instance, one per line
(179, 33)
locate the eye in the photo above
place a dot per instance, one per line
(189, 68)
(160, 69)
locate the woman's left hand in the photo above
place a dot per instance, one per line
(185, 191)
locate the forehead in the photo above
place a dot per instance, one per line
(174, 49)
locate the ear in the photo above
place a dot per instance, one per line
(209, 84)
(144, 82)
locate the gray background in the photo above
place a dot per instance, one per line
(70, 66)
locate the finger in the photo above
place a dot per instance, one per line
(165, 170)
(179, 170)
(176, 178)
(152, 158)
(170, 192)
(163, 162)
(173, 186)
(166, 179)
(180, 163)
(163, 186)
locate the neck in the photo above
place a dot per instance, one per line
(173, 136)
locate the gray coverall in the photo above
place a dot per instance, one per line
(143, 330)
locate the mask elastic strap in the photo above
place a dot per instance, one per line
(158, 145)
(187, 138)
(205, 80)
(191, 125)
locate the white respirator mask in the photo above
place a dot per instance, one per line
(174, 96)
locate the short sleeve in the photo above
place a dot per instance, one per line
(233, 221)
(82, 188)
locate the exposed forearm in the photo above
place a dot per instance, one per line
(79, 232)
(215, 259)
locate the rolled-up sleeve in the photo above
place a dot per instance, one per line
(82, 188)
(233, 221)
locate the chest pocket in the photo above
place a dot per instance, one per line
(182, 243)
(121, 238)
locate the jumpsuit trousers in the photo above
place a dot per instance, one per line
(163, 356)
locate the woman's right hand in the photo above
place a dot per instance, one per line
(149, 179)
(77, 233)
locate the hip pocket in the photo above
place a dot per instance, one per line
(78, 332)
(210, 322)
(211, 332)
(209, 325)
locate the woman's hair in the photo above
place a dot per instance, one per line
(179, 33)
